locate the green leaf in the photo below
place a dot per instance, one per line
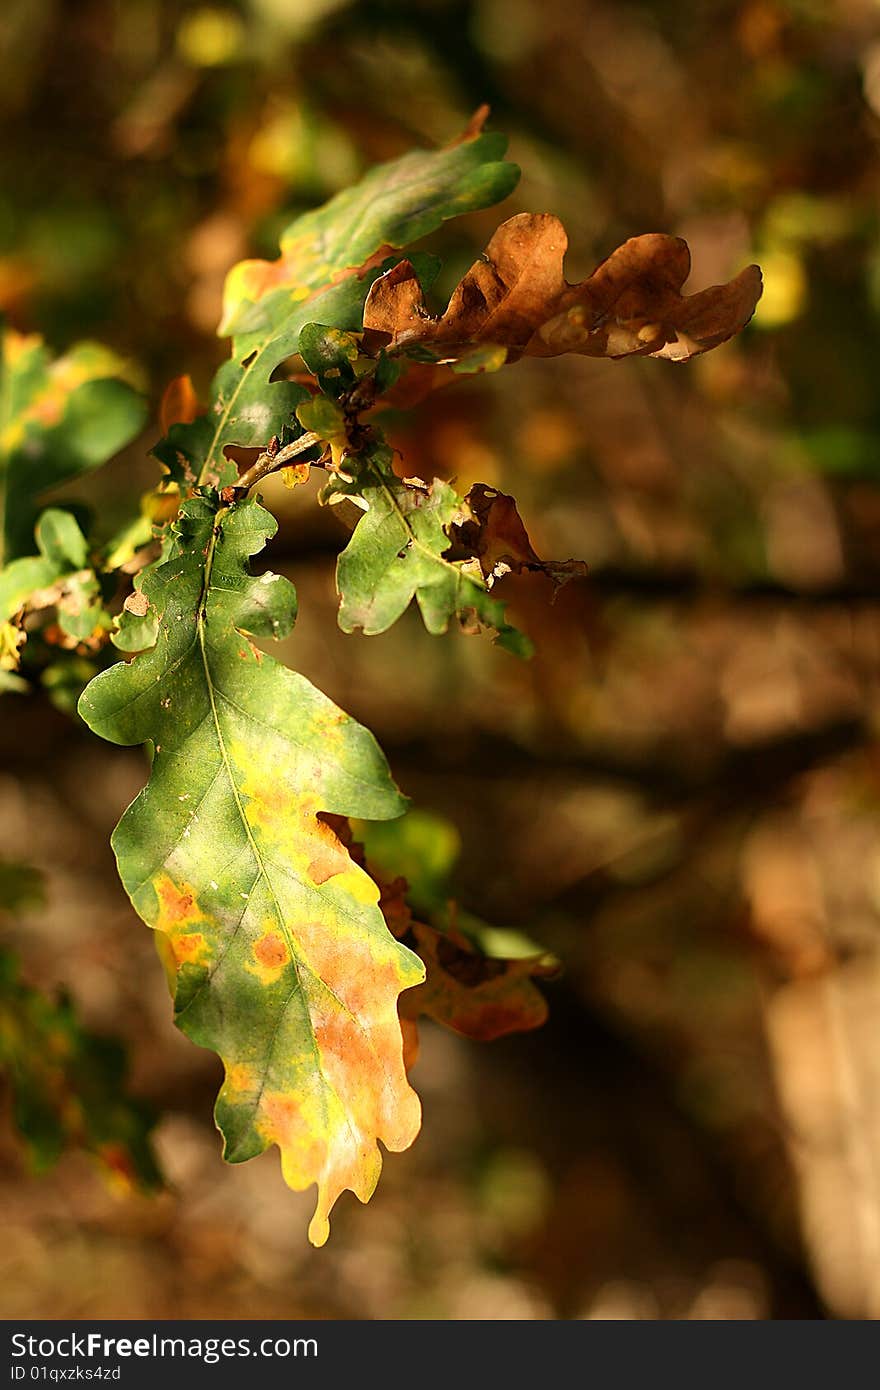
(23, 578)
(60, 539)
(421, 847)
(397, 553)
(57, 576)
(57, 419)
(63, 551)
(283, 963)
(136, 632)
(325, 349)
(323, 417)
(393, 205)
(329, 259)
(68, 1085)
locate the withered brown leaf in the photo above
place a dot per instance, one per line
(516, 296)
(179, 404)
(475, 995)
(495, 535)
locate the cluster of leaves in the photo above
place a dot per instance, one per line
(58, 420)
(479, 980)
(286, 949)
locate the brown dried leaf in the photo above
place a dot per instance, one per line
(516, 296)
(496, 536)
(137, 603)
(475, 995)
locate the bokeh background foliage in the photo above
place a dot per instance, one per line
(680, 794)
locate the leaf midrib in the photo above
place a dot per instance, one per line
(293, 950)
(201, 622)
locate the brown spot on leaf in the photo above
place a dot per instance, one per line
(137, 603)
(177, 904)
(271, 951)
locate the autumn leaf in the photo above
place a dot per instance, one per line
(474, 994)
(58, 419)
(398, 552)
(494, 533)
(393, 204)
(284, 965)
(479, 979)
(516, 297)
(329, 258)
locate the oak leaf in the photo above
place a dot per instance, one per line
(58, 418)
(481, 997)
(392, 205)
(329, 258)
(516, 296)
(398, 552)
(284, 965)
(495, 534)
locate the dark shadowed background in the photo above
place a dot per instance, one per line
(680, 794)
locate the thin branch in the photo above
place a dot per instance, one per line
(270, 462)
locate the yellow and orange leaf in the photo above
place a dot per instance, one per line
(283, 963)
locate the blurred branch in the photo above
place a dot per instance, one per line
(752, 774)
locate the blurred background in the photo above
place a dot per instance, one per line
(679, 796)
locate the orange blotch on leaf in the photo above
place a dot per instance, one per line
(283, 1122)
(328, 865)
(271, 951)
(187, 946)
(178, 913)
(177, 903)
(240, 1080)
(271, 954)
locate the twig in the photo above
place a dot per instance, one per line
(269, 462)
